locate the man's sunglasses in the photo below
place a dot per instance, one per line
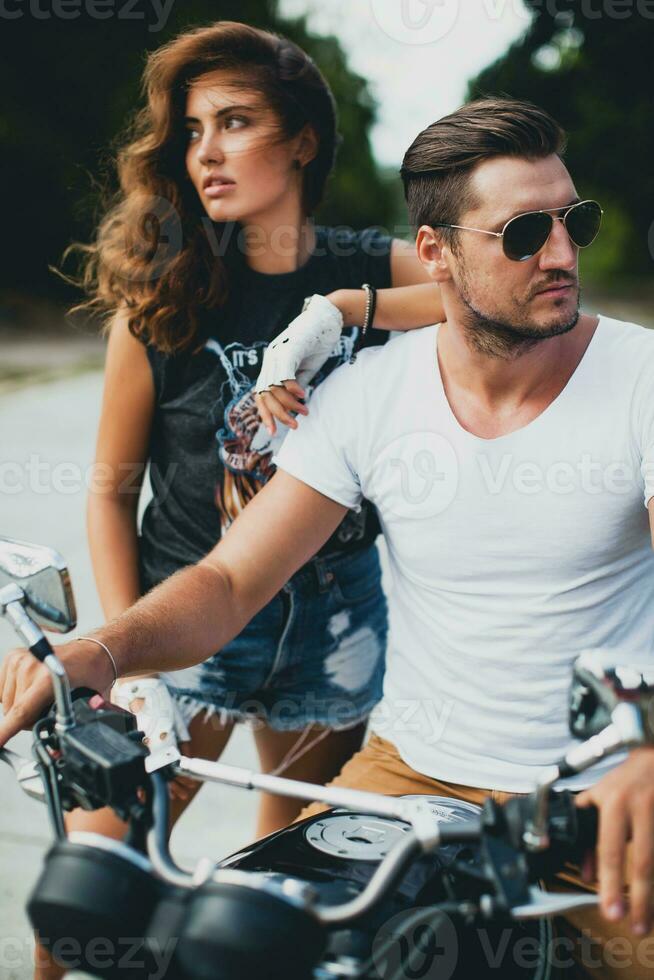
(525, 234)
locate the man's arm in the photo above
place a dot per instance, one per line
(200, 609)
(625, 800)
(195, 612)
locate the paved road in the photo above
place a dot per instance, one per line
(46, 446)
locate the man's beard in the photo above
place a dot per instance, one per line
(505, 339)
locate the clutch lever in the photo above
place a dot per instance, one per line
(161, 759)
(28, 774)
(543, 903)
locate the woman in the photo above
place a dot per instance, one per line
(231, 155)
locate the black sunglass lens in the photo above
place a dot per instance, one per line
(526, 234)
(583, 223)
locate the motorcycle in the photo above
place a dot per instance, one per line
(375, 887)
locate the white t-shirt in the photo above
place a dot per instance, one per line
(508, 556)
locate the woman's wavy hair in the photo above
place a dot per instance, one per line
(154, 252)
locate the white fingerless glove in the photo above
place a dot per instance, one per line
(301, 350)
(157, 715)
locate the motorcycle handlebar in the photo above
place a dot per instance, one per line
(572, 830)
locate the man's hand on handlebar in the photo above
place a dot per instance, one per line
(625, 801)
(26, 687)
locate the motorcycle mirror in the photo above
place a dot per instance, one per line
(42, 575)
(600, 682)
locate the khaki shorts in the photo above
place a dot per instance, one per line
(602, 950)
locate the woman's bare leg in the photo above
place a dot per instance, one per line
(319, 765)
(208, 740)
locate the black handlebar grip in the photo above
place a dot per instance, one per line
(579, 837)
(41, 649)
(587, 828)
(78, 692)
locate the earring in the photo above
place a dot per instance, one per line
(297, 164)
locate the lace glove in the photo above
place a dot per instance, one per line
(301, 350)
(157, 715)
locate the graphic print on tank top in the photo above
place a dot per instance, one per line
(244, 445)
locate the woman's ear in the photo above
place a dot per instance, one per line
(433, 252)
(307, 144)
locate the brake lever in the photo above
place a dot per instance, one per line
(543, 904)
(28, 774)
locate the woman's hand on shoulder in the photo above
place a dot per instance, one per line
(277, 404)
(293, 358)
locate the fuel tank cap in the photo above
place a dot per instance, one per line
(355, 836)
(360, 837)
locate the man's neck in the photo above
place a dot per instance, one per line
(492, 396)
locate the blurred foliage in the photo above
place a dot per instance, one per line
(357, 194)
(74, 84)
(590, 64)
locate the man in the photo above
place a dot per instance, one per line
(508, 452)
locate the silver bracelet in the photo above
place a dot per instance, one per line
(92, 639)
(371, 304)
(368, 317)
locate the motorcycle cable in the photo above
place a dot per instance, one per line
(157, 835)
(49, 776)
(140, 820)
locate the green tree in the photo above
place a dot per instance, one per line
(589, 63)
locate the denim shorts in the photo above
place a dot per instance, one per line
(315, 654)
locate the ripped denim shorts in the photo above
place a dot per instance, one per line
(314, 655)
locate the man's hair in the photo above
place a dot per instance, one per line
(437, 167)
